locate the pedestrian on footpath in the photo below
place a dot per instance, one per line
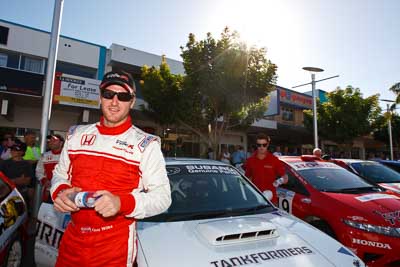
(317, 152)
(238, 156)
(46, 164)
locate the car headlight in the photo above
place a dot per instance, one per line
(383, 230)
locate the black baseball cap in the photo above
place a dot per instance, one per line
(118, 77)
(56, 136)
(19, 146)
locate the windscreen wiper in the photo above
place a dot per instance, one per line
(216, 214)
(356, 190)
(249, 210)
(195, 215)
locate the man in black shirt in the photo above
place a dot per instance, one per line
(18, 170)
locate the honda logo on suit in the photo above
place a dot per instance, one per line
(88, 139)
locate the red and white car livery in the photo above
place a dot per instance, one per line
(13, 215)
(362, 216)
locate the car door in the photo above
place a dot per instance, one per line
(293, 196)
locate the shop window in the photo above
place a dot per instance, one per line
(287, 114)
(355, 153)
(9, 60)
(76, 70)
(3, 60)
(4, 35)
(32, 64)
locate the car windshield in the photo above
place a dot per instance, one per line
(376, 172)
(336, 180)
(393, 165)
(210, 191)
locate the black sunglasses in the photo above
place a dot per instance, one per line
(122, 96)
(262, 145)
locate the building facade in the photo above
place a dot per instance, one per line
(79, 69)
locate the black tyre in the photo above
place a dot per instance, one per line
(14, 253)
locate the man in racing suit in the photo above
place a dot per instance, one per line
(125, 168)
(46, 164)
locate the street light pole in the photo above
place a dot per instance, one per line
(389, 125)
(313, 70)
(390, 132)
(314, 103)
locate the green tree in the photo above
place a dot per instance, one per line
(381, 131)
(226, 85)
(396, 89)
(345, 116)
(163, 93)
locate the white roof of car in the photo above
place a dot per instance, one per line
(349, 161)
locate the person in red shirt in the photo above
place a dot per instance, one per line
(263, 168)
(46, 164)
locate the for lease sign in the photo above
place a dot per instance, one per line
(76, 91)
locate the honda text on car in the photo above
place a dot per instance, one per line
(361, 215)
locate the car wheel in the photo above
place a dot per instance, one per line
(324, 227)
(14, 253)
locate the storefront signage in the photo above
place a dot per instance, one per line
(21, 82)
(298, 99)
(76, 91)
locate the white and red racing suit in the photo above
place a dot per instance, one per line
(125, 161)
(44, 170)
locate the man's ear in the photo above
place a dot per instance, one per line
(133, 103)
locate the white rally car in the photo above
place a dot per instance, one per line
(217, 218)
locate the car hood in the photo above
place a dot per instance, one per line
(395, 187)
(378, 208)
(274, 239)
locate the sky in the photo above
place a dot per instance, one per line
(358, 40)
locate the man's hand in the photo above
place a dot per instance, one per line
(285, 178)
(107, 204)
(45, 182)
(62, 202)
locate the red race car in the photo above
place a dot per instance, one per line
(361, 215)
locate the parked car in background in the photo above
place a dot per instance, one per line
(393, 164)
(375, 172)
(13, 216)
(361, 215)
(217, 218)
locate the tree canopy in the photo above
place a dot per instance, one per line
(227, 82)
(345, 116)
(396, 89)
(226, 85)
(163, 93)
(381, 131)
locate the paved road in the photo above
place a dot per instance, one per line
(28, 259)
(28, 256)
